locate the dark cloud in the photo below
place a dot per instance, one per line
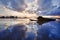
(56, 2)
(16, 5)
(55, 12)
(44, 4)
(49, 7)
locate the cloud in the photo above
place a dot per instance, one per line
(16, 5)
(20, 5)
(47, 6)
(56, 2)
(5, 11)
(44, 4)
(31, 6)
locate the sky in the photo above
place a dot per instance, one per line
(48, 7)
(17, 5)
(38, 6)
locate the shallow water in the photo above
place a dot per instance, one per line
(31, 25)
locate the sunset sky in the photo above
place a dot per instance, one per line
(37, 6)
